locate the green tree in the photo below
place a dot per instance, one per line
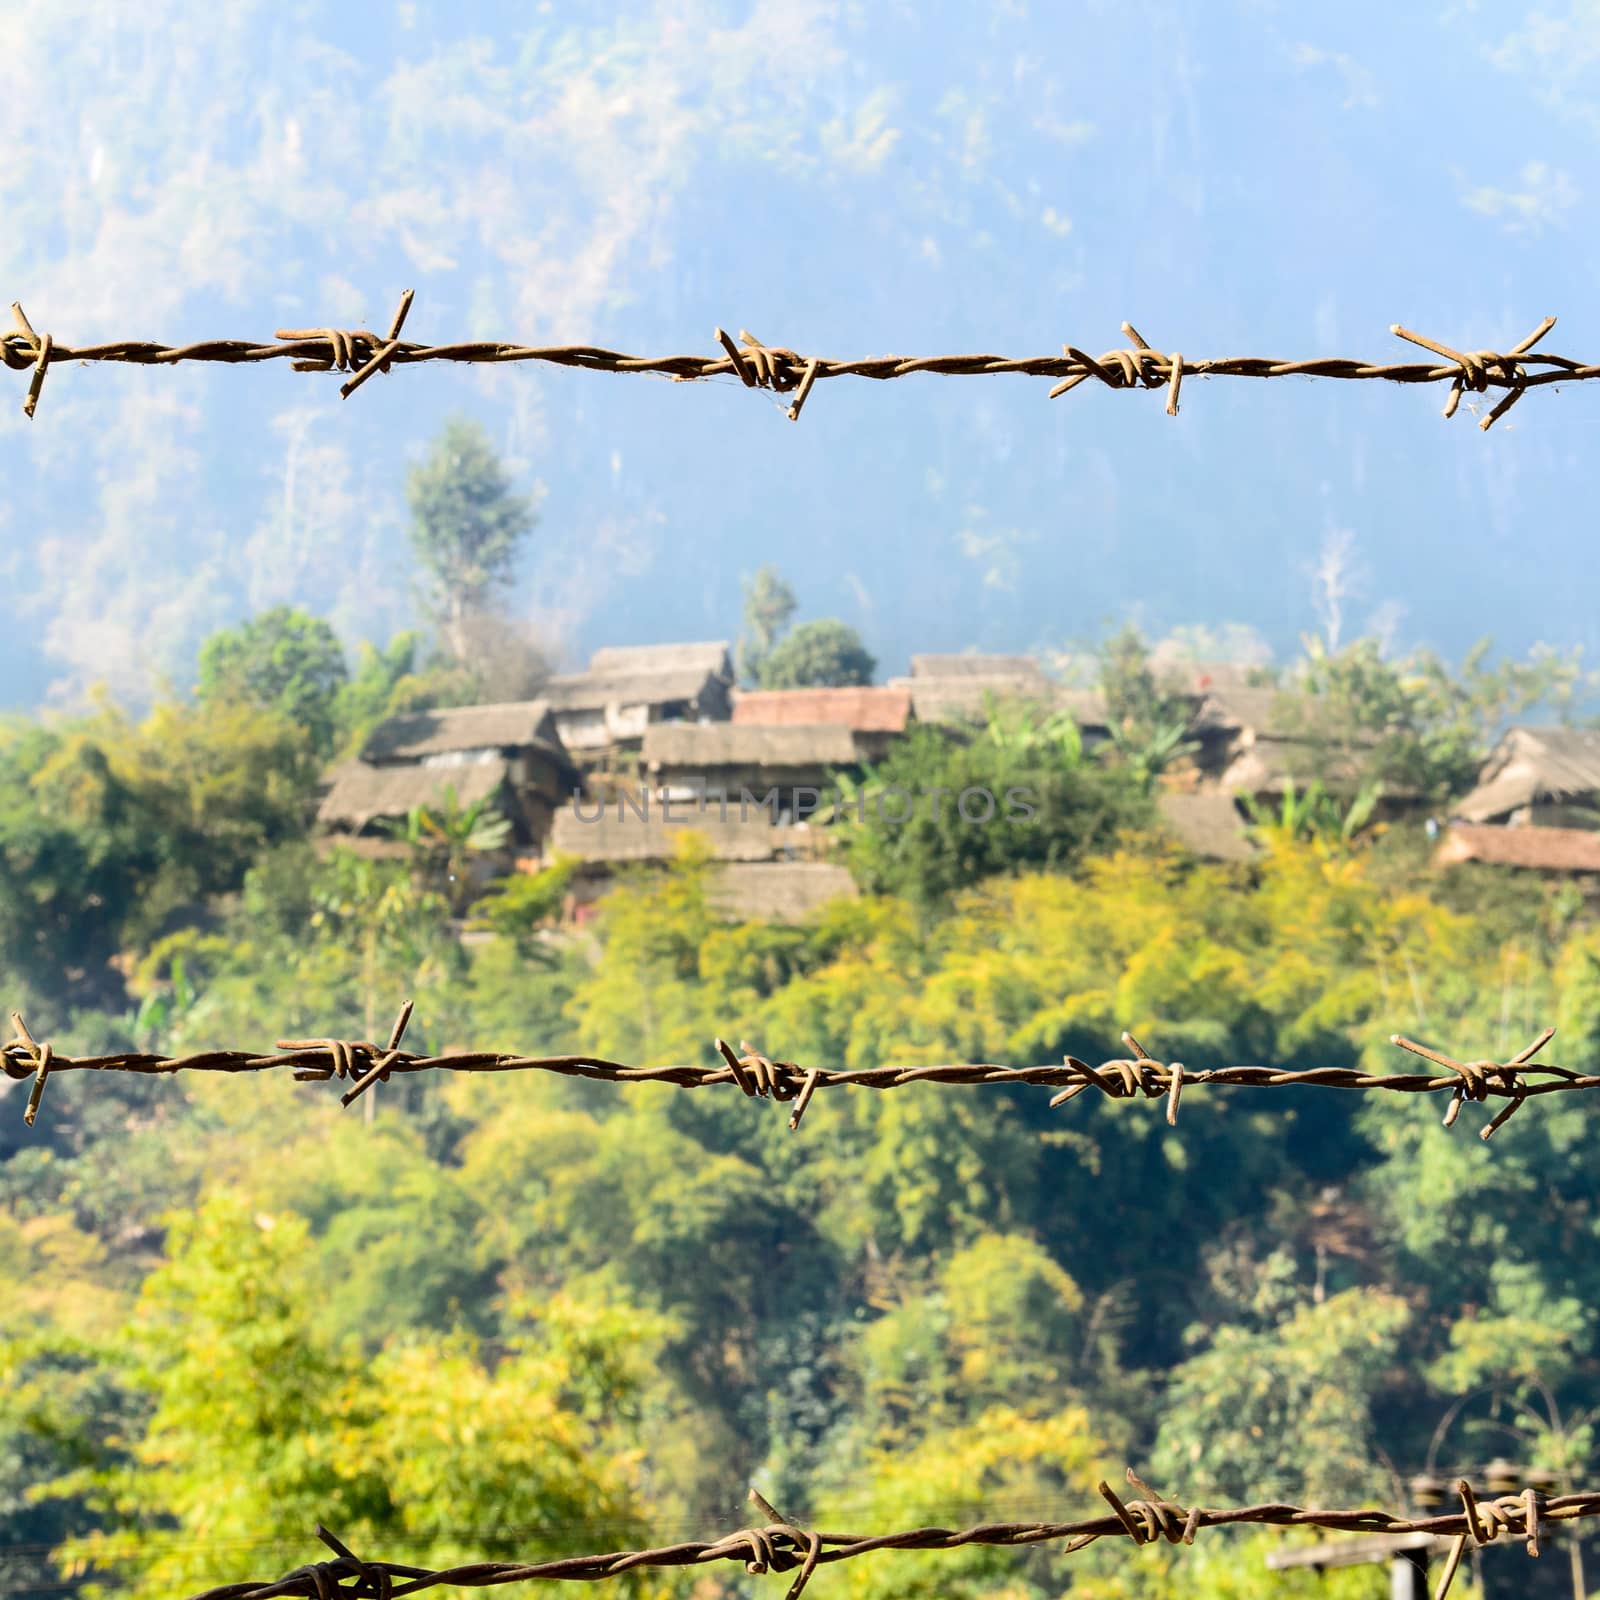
(1410, 722)
(398, 678)
(374, 935)
(769, 604)
(64, 1410)
(1288, 1413)
(520, 906)
(76, 853)
(823, 654)
(1148, 721)
(999, 1320)
(261, 1428)
(1135, 696)
(282, 660)
(111, 829)
(382, 684)
(947, 814)
(1227, 1564)
(1005, 1458)
(467, 528)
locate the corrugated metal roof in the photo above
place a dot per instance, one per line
(413, 734)
(362, 793)
(642, 660)
(863, 710)
(1531, 848)
(700, 745)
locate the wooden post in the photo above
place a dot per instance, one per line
(1408, 1575)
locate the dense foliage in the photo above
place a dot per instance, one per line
(927, 1306)
(821, 654)
(939, 814)
(531, 1314)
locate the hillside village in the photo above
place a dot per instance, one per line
(611, 765)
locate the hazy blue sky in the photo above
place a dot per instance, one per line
(1233, 177)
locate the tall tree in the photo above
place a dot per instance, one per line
(823, 654)
(769, 603)
(282, 660)
(467, 527)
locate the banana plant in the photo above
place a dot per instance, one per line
(442, 839)
(1020, 728)
(1149, 751)
(1315, 814)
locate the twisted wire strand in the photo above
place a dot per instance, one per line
(1139, 1075)
(362, 353)
(781, 1546)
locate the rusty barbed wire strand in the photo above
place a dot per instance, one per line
(782, 1546)
(775, 368)
(1516, 1081)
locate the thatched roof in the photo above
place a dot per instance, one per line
(1530, 848)
(862, 710)
(779, 891)
(972, 665)
(362, 793)
(412, 735)
(710, 659)
(966, 699)
(595, 691)
(630, 838)
(1207, 825)
(702, 745)
(1270, 766)
(1088, 706)
(1530, 765)
(1240, 710)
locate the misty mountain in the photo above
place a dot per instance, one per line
(845, 181)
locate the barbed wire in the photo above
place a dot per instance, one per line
(1137, 365)
(1516, 1080)
(782, 1546)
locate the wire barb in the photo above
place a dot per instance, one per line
(380, 1068)
(360, 353)
(1476, 369)
(380, 358)
(781, 1545)
(40, 1055)
(781, 1525)
(36, 353)
(1478, 1079)
(347, 1058)
(760, 366)
(758, 1076)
